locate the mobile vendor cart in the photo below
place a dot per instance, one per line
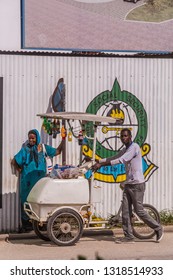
(61, 206)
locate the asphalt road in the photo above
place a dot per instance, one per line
(28, 246)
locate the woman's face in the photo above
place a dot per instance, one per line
(32, 139)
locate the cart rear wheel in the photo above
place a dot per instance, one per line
(140, 229)
(40, 230)
(65, 227)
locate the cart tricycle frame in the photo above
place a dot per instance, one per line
(65, 220)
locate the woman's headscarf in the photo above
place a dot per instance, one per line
(34, 149)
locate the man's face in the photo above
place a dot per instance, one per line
(32, 139)
(125, 137)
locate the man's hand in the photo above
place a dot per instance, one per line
(96, 166)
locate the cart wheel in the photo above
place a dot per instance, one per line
(65, 227)
(40, 230)
(140, 229)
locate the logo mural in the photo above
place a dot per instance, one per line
(130, 113)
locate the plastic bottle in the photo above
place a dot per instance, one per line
(63, 132)
(70, 136)
(80, 138)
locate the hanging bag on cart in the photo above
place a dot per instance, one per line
(49, 161)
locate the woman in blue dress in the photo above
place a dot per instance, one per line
(30, 162)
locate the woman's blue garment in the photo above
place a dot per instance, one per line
(33, 166)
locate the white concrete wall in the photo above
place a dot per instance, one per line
(28, 83)
(10, 25)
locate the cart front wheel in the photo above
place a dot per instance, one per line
(65, 227)
(40, 230)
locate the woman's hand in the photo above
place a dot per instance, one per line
(15, 166)
(39, 148)
(60, 148)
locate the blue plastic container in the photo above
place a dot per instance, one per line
(63, 167)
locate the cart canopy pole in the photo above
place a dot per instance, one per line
(91, 185)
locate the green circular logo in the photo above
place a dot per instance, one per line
(125, 106)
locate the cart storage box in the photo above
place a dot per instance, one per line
(60, 191)
(50, 194)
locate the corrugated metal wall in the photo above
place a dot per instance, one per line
(28, 83)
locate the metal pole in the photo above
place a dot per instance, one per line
(91, 182)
